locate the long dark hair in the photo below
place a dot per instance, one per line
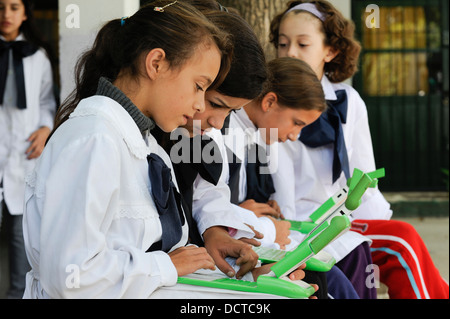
(120, 44)
(30, 31)
(248, 71)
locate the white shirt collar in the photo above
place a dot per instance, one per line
(119, 117)
(328, 89)
(20, 37)
(253, 134)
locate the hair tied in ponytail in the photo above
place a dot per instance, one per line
(161, 9)
(123, 20)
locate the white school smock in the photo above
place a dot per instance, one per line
(89, 216)
(303, 175)
(212, 206)
(17, 125)
(241, 135)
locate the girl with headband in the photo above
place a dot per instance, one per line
(317, 33)
(303, 32)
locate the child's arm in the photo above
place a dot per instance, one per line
(47, 102)
(261, 209)
(37, 142)
(47, 105)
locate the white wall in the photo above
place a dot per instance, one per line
(79, 21)
(344, 6)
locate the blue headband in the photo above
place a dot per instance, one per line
(311, 8)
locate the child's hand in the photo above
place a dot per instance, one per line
(274, 204)
(253, 241)
(283, 230)
(260, 209)
(37, 140)
(297, 274)
(189, 259)
(221, 245)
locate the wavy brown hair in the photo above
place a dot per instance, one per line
(339, 34)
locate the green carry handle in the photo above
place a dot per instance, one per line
(354, 180)
(358, 174)
(354, 198)
(377, 174)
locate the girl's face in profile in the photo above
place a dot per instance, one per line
(287, 123)
(180, 93)
(12, 15)
(301, 37)
(217, 108)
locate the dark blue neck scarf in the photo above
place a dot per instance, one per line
(187, 172)
(328, 130)
(20, 49)
(168, 203)
(259, 186)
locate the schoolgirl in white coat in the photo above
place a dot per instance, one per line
(97, 204)
(17, 125)
(27, 109)
(312, 182)
(100, 235)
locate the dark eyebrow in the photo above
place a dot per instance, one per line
(222, 102)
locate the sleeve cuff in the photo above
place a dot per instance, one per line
(167, 270)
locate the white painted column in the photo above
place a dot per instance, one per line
(79, 22)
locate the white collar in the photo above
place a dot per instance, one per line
(252, 133)
(20, 37)
(242, 117)
(328, 89)
(119, 117)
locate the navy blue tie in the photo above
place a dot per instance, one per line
(328, 130)
(187, 172)
(20, 49)
(234, 167)
(168, 203)
(259, 185)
